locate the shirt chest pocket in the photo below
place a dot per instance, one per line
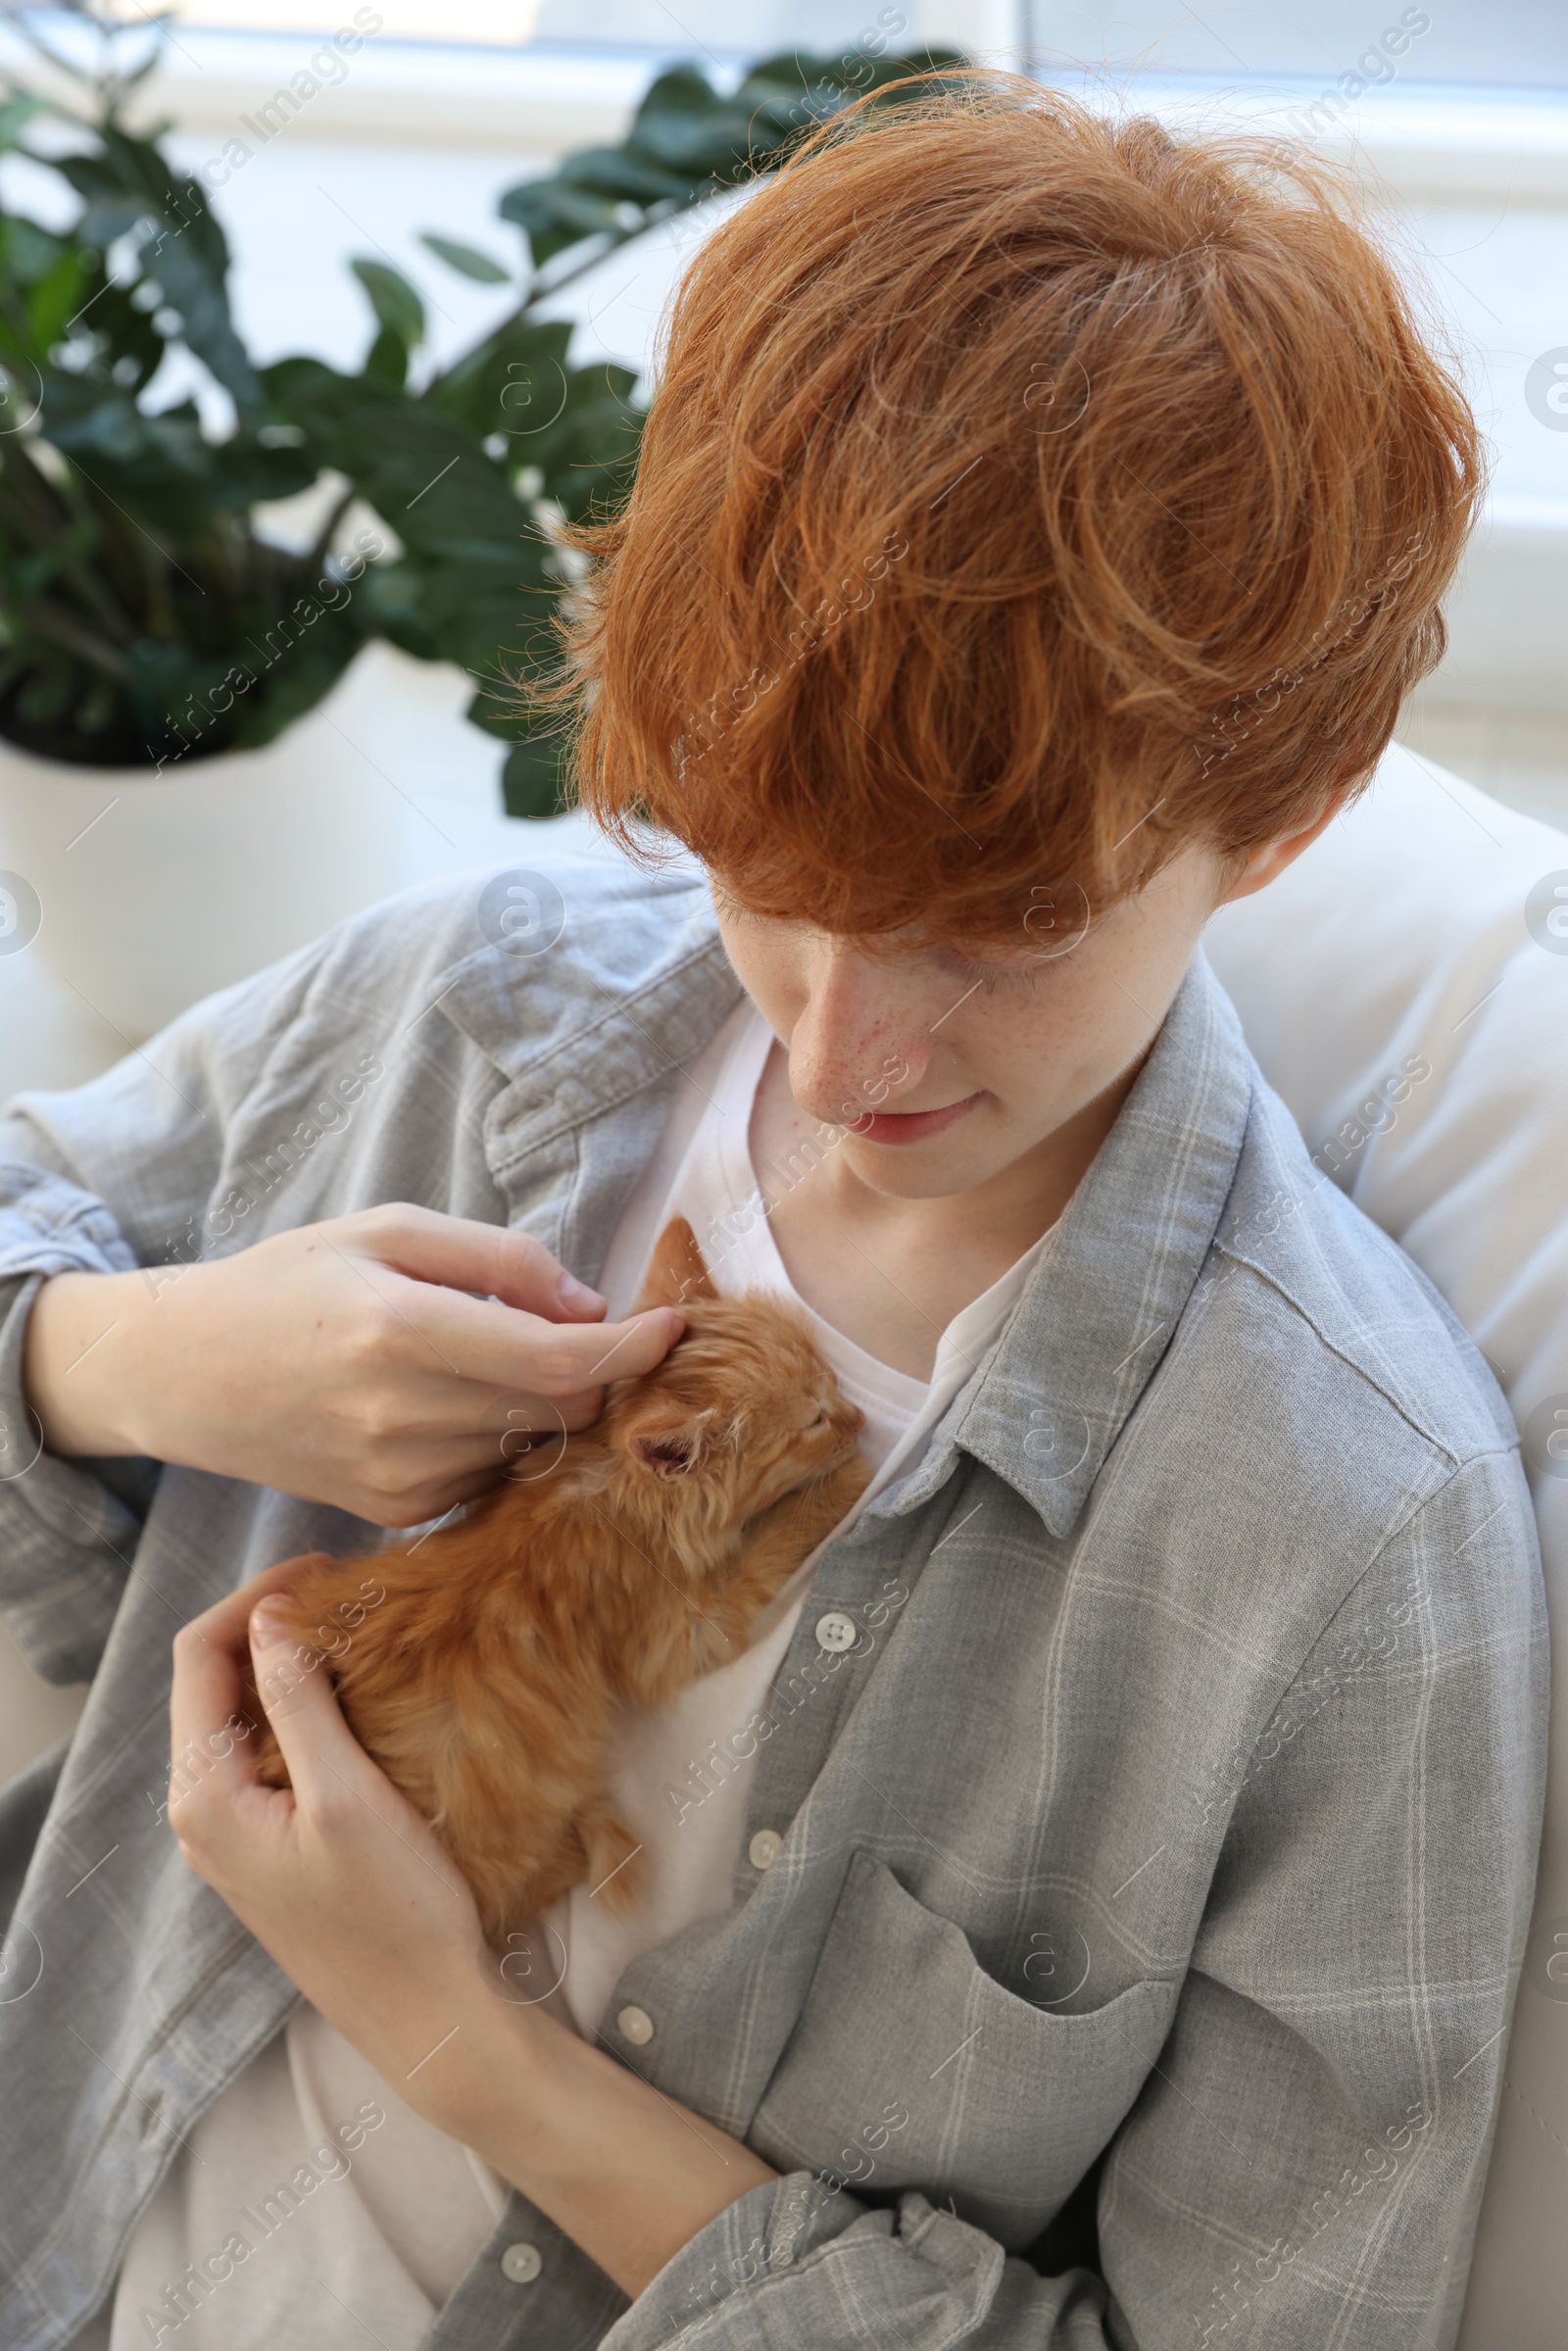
(911, 2067)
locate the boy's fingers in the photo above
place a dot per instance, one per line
(322, 1755)
(626, 1349)
(206, 1703)
(335, 1780)
(495, 1344)
(461, 1254)
(209, 1715)
(223, 1625)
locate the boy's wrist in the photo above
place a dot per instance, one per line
(76, 1371)
(625, 2172)
(495, 2068)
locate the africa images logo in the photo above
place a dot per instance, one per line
(1546, 389)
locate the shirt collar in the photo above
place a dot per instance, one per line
(632, 986)
(1094, 1321)
(645, 984)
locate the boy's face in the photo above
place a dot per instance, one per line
(950, 1067)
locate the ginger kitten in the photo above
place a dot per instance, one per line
(485, 1681)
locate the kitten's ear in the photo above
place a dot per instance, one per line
(669, 1446)
(678, 1270)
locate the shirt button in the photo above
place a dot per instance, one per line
(836, 1632)
(636, 2025)
(763, 1849)
(521, 2263)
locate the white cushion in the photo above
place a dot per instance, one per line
(1406, 989)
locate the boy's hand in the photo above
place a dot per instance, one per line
(361, 1905)
(346, 1886)
(344, 1362)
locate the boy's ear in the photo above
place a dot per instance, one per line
(670, 1442)
(678, 1271)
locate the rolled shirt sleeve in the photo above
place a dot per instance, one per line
(102, 1179)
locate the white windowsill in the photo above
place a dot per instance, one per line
(1420, 139)
(397, 93)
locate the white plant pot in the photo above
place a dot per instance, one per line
(154, 892)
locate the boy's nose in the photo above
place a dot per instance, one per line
(859, 1020)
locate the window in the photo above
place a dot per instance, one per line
(1516, 43)
(1522, 44)
(724, 27)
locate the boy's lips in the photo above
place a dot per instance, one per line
(910, 1126)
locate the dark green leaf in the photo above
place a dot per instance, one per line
(554, 217)
(119, 326)
(56, 296)
(395, 304)
(132, 580)
(113, 427)
(30, 250)
(511, 380)
(183, 249)
(387, 360)
(683, 95)
(592, 441)
(618, 172)
(191, 286)
(533, 781)
(17, 110)
(466, 260)
(110, 218)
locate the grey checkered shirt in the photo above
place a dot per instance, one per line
(1155, 1863)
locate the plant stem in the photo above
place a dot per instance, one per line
(538, 293)
(323, 538)
(44, 518)
(58, 622)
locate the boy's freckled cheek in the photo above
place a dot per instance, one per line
(1025, 1048)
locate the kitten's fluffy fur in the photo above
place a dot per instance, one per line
(485, 1683)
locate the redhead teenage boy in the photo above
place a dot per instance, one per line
(1088, 1912)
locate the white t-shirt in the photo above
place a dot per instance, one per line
(383, 2216)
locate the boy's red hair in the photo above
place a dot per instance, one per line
(1025, 494)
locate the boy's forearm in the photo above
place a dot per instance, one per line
(77, 1363)
(627, 2174)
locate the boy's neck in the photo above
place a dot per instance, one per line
(891, 1272)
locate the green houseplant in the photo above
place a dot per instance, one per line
(144, 617)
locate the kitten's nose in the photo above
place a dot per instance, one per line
(849, 1419)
